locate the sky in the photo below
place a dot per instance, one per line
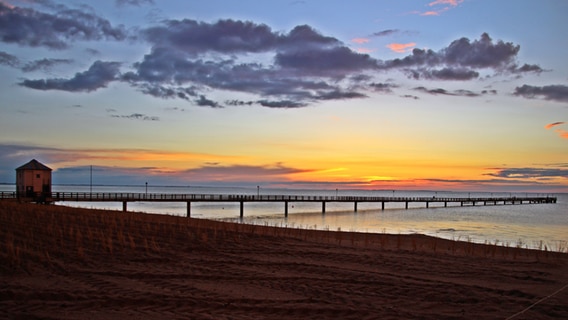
(464, 95)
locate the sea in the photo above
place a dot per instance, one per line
(533, 226)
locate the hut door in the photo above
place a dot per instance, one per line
(30, 191)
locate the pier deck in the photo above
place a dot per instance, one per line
(286, 199)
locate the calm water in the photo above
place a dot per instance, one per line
(528, 225)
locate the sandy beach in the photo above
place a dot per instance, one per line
(69, 263)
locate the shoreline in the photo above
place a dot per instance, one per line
(66, 263)
(548, 242)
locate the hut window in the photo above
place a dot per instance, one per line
(37, 175)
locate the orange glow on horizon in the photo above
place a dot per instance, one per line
(563, 133)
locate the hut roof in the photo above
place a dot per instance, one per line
(34, 165)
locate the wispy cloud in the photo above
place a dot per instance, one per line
(530, 173)
(137, 116)
(134, 166)
(445, 2)
(44, 64)
(561, 132)
(385, 33)
(459, 92)
(8, 59)
(439, 7)
(554, 124)
(432, 13)
(360, 40)
(401, 47)
(383, 87)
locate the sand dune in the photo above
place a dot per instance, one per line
(69, 263)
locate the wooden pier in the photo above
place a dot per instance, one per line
(285, 199)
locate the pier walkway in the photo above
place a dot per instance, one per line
(285, 199)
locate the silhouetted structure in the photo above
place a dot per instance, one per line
(33, 181)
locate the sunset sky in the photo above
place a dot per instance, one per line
(465, 95)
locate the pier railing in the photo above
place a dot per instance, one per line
(155, 197)
(241, 199)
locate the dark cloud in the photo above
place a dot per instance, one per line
(204, 102)
(529, 173)
(28, 27)
(433, 91)
(460, 92)
(527, 68)
(8, 59)
(307, 65)
(409, 96)
(553, 92)
(340, 95)
(44, 64)
(231, 36)
(137, 116)
(383, 87)
(458, 74)
(337, 61)
(238, 103)
(482, 53)
(461, 60)
(286, 104)
(190, 59)
(226, 36)
(385, 33)
(167, 92)
(98, 76)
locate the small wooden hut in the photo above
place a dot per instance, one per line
(33, 180)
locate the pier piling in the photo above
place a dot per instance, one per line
(241, 199)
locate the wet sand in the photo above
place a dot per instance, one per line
(70, 263)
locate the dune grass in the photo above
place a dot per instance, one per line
(34, 235)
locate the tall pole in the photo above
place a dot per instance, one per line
(91, 184)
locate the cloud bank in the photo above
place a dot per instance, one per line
(194, 60)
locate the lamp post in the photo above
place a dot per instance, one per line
(258, 191)
(146, 188)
